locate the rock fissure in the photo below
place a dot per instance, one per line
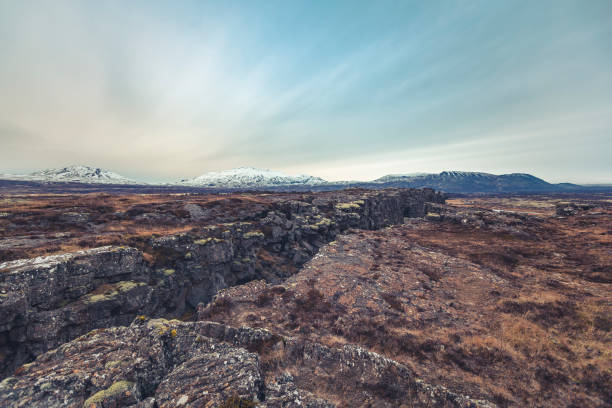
(48, 301)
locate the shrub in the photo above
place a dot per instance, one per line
(393, 301)
(218, 306)
(432, 273)
(263, 299)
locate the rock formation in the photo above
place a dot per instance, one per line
(202, 364)
(47, 301)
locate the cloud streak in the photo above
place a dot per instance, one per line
(344, 90)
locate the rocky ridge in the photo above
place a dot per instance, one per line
(45, 302)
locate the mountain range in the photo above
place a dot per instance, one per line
(249, 178)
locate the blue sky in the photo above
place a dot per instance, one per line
(340, 90)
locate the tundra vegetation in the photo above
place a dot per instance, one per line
(352, 298)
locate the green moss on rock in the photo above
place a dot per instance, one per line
(349, 206)
(101, 297)
(112, 364)
(323, 222)
(205, 241)
(433, 216)
(126, 286)
(114, 390)
(119, 287)
(254, 234)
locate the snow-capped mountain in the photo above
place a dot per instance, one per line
(73, 174)
(250, 177)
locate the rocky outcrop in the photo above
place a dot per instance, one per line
(160, 363)
(45, 302)
(568, 208)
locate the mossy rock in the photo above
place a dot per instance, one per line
(126, 286)
(114, 392)
(115, 289)
(349, 206)
(433, 216)
(101, 297)
(112, 364)
(323, 222)
(205, 241)
(253, 234)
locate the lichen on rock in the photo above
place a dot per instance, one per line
(119, 390)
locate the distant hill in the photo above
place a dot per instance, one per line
(474, 182)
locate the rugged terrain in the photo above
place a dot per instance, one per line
(220, 242)
(351, 298)
(504, 306)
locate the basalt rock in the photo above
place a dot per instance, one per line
(566, 208)
(160, 363)
(47, 301)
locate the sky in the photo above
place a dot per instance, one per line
(344, 90)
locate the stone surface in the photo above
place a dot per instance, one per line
(161, 363)
(45, 302)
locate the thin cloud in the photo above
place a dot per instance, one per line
(339, 90)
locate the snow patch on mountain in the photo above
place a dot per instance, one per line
(250, 177)
(396, 177)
